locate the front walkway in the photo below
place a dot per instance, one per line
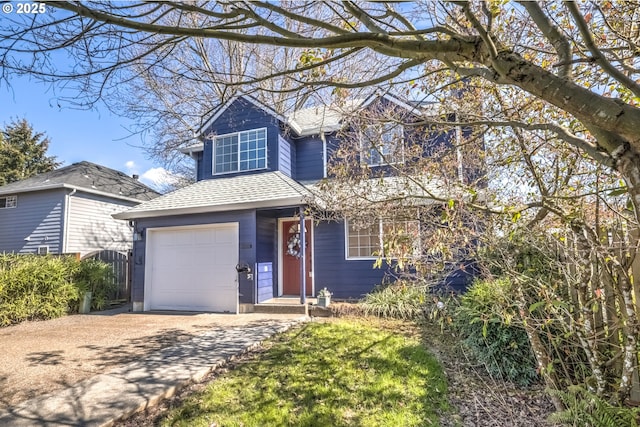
(103, 398)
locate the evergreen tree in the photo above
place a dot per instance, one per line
(23, 152)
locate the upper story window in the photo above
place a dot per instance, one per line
(241, 151)
(8, 202)
(382, 144)
(383, 238)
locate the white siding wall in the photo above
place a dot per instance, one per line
(90, 226)
(35, 221)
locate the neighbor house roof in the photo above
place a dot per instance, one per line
(88, 177)
(261, 190)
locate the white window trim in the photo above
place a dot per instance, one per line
(380, 240)
(365, 150)
(346, 244)
(43, 250)
(213, 151)
(13, 197)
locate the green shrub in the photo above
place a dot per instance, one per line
(585, 409)
(400, 300)
(440, 309)
(95, 276)
(485, 321)
(36, 287)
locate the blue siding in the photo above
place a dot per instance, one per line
(264, 275)
(346, 279)
(199, 166)
(309, 159)
(460, 276)
(239, 116)
(285, 156)
(37, 220)
(247, 230)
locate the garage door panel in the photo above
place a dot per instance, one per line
(205, 237)
(224, 236)
(192, 269)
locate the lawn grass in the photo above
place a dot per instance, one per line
(343, 373)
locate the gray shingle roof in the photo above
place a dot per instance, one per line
(261, 190)
(88, 177)
(323, 118)
(362, 195)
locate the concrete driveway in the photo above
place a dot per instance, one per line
(38, 358)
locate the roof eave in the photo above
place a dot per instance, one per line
(318, 130)
(275, 203)
(4, 192)
(190, 150)
(411, 109)
(71, 187)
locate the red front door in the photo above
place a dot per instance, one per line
(291, 255)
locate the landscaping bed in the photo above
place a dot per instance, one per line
(478, 399)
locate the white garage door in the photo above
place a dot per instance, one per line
(192, 268)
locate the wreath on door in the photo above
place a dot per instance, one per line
(293, 245)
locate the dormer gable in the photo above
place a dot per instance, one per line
(241, 136)
(245, 101)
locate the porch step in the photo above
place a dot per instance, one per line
(281, 308)
(245, 308)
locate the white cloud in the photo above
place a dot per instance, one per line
(159, 178)
(131, 165)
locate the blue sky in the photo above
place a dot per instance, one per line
(95, 135)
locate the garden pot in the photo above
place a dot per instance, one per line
(324, 301)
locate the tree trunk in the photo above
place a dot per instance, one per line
(628, 164)
(543, 360)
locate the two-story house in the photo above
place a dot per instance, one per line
(239, 234)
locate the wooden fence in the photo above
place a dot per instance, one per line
(121, 272)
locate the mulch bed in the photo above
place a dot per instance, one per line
(478, 399)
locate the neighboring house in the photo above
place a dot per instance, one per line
(69, 210)
(255, 169)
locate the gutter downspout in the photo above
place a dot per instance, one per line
(324, 154)
(67, 210)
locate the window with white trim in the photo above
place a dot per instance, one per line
(382, 144)
(241, 151)
(8, 202)
(363, 242)
(383, 238)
